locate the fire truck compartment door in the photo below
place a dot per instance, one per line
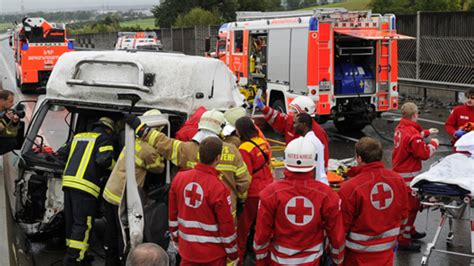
(373, 34)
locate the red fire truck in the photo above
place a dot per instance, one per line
(346, 59)
(37, 45)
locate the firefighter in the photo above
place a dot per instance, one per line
(283, 123)
(200, 217)
(409, 151)
(302, 125)
(185, 154)
(372, 191)
(146, 160)
(90, 159)
(295, 213)
(256, 155)
(460, 116)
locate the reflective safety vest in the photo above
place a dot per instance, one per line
(90, 153)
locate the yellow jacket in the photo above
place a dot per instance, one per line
(146, 160)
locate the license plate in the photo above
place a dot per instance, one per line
(324, 85)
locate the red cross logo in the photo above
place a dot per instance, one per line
(299, 210)
(397, 138)
(381, 196)
(193, 195)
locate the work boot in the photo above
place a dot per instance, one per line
(418, 235)
(414, 247)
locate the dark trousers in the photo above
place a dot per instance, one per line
(113, 242)
(7, 145)
(80, 209)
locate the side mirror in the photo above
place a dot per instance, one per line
(207, 44)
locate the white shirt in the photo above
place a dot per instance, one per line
(320, 171)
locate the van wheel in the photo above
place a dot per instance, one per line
(348, 124)
(279, 106)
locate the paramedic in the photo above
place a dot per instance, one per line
(90, 159)
(372, 191)
(185, 154)
(283, 123)
(297, 213)
(460, 116)
(200, 217)
(409, 151)
(146, 160)
(302, 124)
(256, 156)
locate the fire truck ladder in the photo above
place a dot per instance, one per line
(256, 15)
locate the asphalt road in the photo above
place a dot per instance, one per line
(50, 251)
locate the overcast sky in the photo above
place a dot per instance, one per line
(7, 6)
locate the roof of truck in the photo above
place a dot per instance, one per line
(180, 82)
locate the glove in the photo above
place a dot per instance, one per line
(134, 122)
(231, 262)
(435, 141)
(258, 103)
(459, 133)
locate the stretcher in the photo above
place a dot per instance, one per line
(448, 186)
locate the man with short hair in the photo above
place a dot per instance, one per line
(303, 123)
(460, 117)
(201, 224)
(148, 254)
(9, 122)
(374, 204)
(409, 151)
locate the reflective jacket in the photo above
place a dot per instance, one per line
(292, 217)
(200, 217)
(146, 160)
(186, 155)
(91, 155)
(257, 165)
(374, 204)
(410, 149)
(283, 123)
(459, 117)
(8, 128)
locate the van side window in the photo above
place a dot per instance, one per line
(238, 41)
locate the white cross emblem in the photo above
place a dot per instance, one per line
(193, 195)
(381, 196)
(299, 210)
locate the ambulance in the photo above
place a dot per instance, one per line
(345, 60)
(37, 45)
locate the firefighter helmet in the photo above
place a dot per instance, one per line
(300, 155)
(303, 104)
(212, 120)
(233, 114)
(106, 122)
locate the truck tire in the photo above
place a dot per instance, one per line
(349, 125)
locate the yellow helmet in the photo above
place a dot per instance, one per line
(233, 114)
(212, 120)
(107, 122)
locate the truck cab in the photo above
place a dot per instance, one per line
(85, 86)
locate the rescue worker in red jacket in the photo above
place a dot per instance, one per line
(296, 212)
(409, 151)
(283, 123)
(200, 217)
(374, 204)
(460, 116)
(256, 156)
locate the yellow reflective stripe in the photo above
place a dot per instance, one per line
(73, 147)
(174, 152)
(86, 237)
(113, 197)
(138, 161)
(81, 184)
(106, 148)
(78, 245)
(153, 135)
(88, 135)
(112, 165)
(241, 170)
(80, 187)
(226, 167)
(156, 164)
(190, 164)
(86, 157)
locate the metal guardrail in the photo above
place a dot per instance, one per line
(435, 85)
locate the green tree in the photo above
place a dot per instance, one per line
(197, 17)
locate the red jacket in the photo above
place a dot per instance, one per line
(190, 127)
(200, 217)
(459, 117)
(374, 204)
(292, 217)
(283, 123)
(258, 168)
(410, 148)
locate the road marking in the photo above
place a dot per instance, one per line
(421, 119)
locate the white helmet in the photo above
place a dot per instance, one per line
(300, 155)
(212, 120)
(152, 112)
(233, 114)
(303, 104)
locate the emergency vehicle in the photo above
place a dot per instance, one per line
(37, 44)
(145, 40)
(346, 59)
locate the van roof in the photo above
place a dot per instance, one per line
(167, 81)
